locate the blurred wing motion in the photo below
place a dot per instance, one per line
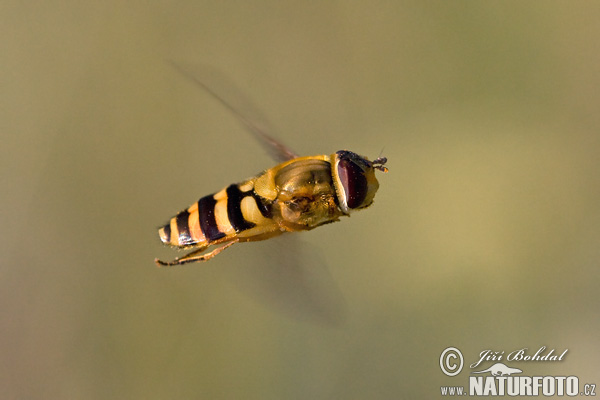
(240, 107)
(290, 277)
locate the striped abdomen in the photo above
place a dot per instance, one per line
(234, 211)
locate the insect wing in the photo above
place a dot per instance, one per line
(226, 93)
(291, 277)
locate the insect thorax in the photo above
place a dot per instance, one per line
(306, 195)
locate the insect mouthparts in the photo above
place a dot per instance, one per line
(378, 164)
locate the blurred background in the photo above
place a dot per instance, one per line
(483, 235)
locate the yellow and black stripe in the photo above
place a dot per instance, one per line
(226, 214)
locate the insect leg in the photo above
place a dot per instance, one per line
(194, 257)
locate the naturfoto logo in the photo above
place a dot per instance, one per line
(500, 379)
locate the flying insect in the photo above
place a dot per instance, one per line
(299, 194)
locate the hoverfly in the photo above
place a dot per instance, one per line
(299, 194)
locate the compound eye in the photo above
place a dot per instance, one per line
(353, 181)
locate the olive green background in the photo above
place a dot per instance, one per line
(484, 234)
